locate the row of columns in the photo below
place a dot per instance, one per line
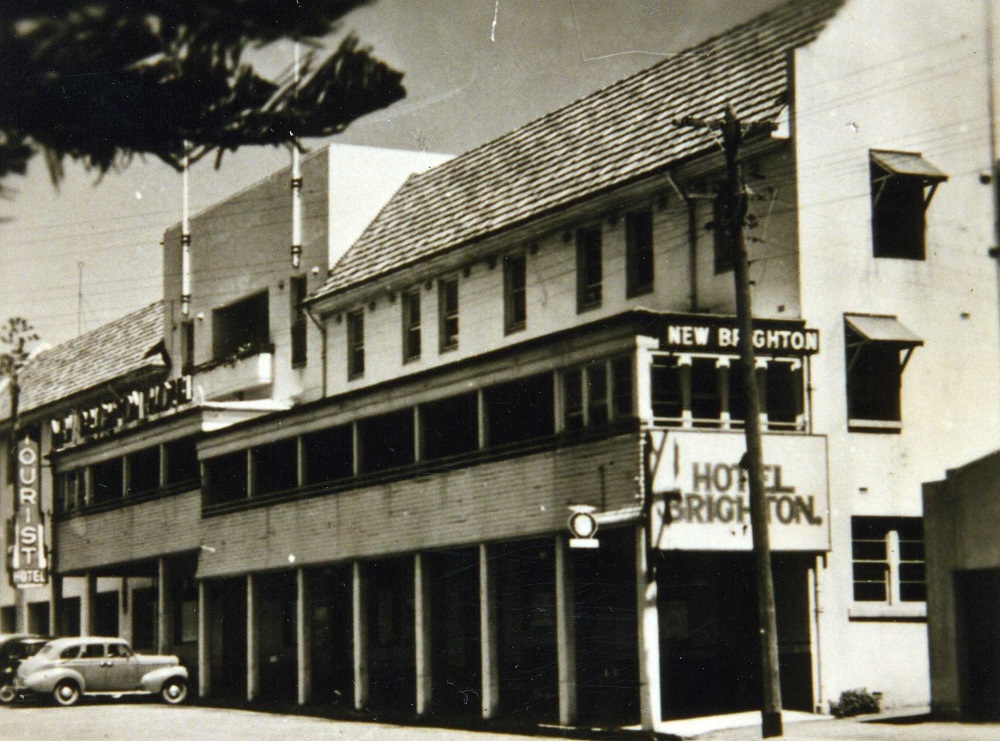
(648, 636)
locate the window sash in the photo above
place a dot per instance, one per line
(639, 265)
(411, 324)
(515, 292)
(355, 344)
(448, 311)
(589, 271)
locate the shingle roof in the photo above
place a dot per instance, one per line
(605, 139)
(106, 353)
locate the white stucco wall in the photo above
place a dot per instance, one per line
(907, 76)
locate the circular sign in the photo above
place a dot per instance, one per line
(582, 525)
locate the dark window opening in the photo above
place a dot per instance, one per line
(706, 399)
(241, 329)
(182, 461)
(784, 394)
(723, 242)
(639, 265)
(622, 387)
(226, 478)
(874, 375)
(589, 271)
(515, 292)
(449, 426)
(355, 344)
(666, 382)
(187, 344)
(597, 394)
(902, 185)
(386, 441)
(520, 410)
(411, 324)
(275, 467)
(143, 471)
(300, 324)
(737, 398)
(107, 480)
(72, 490)
(573, 399)
(888, 555)
(329, 454)
(448, 313)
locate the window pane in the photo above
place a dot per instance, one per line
(386, 441)
(639, 252)
(355, 344)
(520, 410)
(898, 222)
(448, 308)
(329, 454)
(597, 380)
(873, 380)
(706, 404)
(589, 270)
(515, 283)
(182, 461)
(784, 394)
(107, 480)
(573, 399)
(143, 471)
(449, 426)
(411, 324)
(621, 378)
(275, 467)
(666, 388)
(226, 478)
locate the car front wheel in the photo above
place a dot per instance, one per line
(7, 694)
(174, 691)
(66, 693)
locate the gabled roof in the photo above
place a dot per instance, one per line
(605, 139)
(112, 351)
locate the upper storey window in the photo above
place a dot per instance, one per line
(411, 325)
(877, 351)
(589, 271)
(639, 252)
(902, 185)
(515, 282)
(241, 328)
(448, 313)
(355, 343)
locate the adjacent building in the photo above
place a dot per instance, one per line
(394, 451)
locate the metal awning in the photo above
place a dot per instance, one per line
(887, 330)
(883, 329)
(907, 163)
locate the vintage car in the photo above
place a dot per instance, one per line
(15, 648)
(67, 668)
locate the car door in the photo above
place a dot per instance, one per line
(92, 666)
(125, 669)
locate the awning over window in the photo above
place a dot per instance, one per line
(882, 329)
(907, 163)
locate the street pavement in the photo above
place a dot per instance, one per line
(101, 719)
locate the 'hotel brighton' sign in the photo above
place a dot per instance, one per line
(28, 558)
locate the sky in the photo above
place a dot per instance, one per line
(88, 252)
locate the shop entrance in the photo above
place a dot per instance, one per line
(977, 635)
(228, 637)
(526, 611)
(391, 661)
(277, 638)
(455, 631)
(709, 642)
(332, 641)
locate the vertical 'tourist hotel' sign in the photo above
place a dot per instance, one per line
(29, 561)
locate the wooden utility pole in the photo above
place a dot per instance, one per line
(734, 195)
